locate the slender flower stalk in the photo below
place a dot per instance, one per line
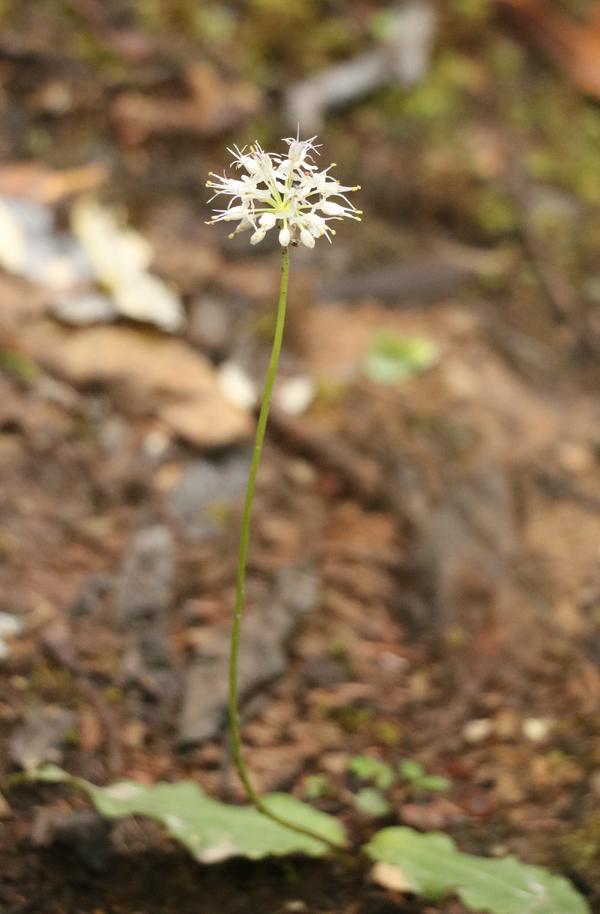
(287, 192)
(240, 592)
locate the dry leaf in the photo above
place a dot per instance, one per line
(390, 877)
(37, 182)
(5, 810)
(120, 257)
(207, 421)
(215, 106)
(164, 375)
(574, 48)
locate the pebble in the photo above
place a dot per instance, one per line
(536, 729)
(296, 394)
(475, 731)
(10, 627)
(236, 386)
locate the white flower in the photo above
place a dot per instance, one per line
(287, 192)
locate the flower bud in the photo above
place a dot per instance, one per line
(332, 209)
(233, 214)
(284, 237)
(306, 238)
(267, 221)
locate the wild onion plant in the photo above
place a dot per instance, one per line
(288, 193)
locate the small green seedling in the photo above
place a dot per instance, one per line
(392, 358)
(367, 768)
(418, 778)
(317, 786)
(380, 776)
(372, 802)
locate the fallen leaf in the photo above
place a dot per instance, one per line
(214, 106)
(120, 257)
(164, 376)
(42, 184)
(207, 421)
(390, 877)
(574, 48)
(30, 247)
(5, 810)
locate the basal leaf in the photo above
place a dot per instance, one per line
(431, 865)
(210, 830)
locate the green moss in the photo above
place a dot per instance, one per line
(387, 732)
(507, 60)
(441, 95)
(581, 851)
(51, 682)
(19, 365)
(495, 211)
(353, 720)
(473, 11)
(114, 695)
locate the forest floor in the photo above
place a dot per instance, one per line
(424, 572)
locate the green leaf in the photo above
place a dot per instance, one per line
(212, 831)
(392, 357)
(372, 802)
(411, 771)
(367, 768)
(317, 786)
(433, 782)
(432, 866)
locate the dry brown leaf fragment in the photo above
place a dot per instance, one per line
(390, 877)
(42, 184)
(574, 48)
(208, 421)
(211, 106)
(164, 376)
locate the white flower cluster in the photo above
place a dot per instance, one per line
(287, 192)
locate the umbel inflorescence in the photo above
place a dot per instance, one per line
(283, 191)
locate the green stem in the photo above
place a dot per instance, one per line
(234, 719)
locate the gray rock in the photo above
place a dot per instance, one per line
(420, 282)
(211, 324)
(406, 37)
(208, 486)
(467, 545)
(144, 596)
(40, 737)
(462, 569)
(265, 634)
(91, 594)
(85, 832)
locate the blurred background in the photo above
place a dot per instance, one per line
(424, 575)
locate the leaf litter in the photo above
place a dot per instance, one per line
(370, 671)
